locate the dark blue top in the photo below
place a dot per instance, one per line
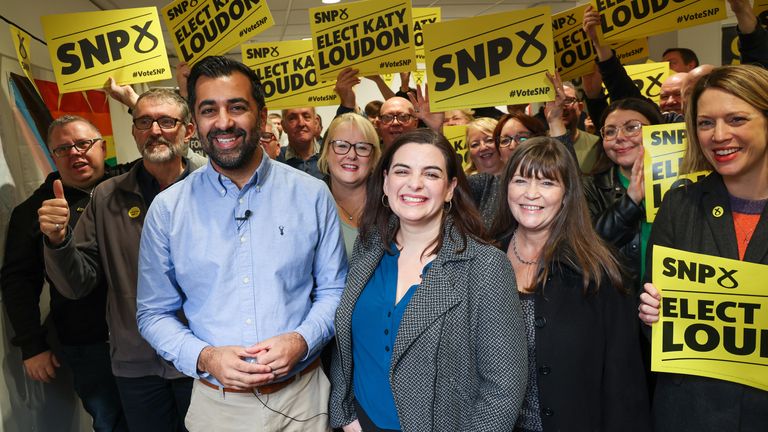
(375, 321)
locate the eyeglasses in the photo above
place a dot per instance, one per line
(506, 140)
(144, 123)
(389, 118)
(569, 101)
(81, 147)
(488, 141)
(630, 129)
(341, 147)
(268, 137)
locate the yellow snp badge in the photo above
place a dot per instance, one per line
(134, 212)
(717, 211)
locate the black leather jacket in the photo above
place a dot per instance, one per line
(616, 218)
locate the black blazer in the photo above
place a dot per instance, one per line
(589, 368)
(686, 402)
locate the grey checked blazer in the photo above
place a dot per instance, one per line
(459, 361)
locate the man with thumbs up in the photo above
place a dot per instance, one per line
(78, 151)
(105, 246)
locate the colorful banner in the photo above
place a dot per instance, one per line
(623, 20)
(87, 48)
(648, 77)
(287, 72)
(213, 27)
(490, 60)
(422, 17)
(374, 36)
(664, 150)
(713, 318)
(574, 53)
(457, 136)
(20, 40)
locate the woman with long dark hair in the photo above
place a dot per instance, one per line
(585, 369)
(429, 329)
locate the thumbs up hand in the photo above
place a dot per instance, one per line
(54, 215)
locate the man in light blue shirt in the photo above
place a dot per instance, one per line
(250, 250)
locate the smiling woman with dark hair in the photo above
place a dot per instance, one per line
(429, 329)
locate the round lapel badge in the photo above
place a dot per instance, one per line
(134, 212)
(717, 211)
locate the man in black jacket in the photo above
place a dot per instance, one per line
(78, 151)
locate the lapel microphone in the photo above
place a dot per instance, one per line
(241, 220)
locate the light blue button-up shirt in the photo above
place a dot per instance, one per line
(238, 282)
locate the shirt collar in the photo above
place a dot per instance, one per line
(224, 185)
(291, 154)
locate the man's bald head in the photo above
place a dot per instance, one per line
(671, 99)
(693, 77)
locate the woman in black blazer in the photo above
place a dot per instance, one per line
(585, 368)
(727, 123)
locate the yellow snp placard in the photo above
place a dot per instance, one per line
(422, 17)
(287, 72)
(419, 77)
(648, 77)
(574, 53)
(87, 48)
(457, 136)
(664, 150)
(20, 40)
(490, 60)
(374, 36)
(713, 318)
(624, 20)
(202, 28)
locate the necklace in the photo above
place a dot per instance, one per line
(345, 213)
(517, 254)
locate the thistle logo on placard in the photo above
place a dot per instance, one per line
(263, 52)
(699, 272)
(105, 48)
(331, 15)
(496, 51)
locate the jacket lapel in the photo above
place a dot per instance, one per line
(716, 205)
(757, 249)
(434, 297)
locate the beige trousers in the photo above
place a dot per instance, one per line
(213, 410)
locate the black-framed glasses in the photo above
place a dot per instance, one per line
(341, 147)
(488, 141)
(402, 118)
(267, 137)
(144, 123)
(630, 129)
(569, 101)
(81, 147)
(520, 138)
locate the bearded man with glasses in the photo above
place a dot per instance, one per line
(104, 245)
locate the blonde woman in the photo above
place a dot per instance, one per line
(350, 152)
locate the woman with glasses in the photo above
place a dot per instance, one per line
(723, 215)
(483, 155)
(584, 370)
(615, 191)
(350, 152)
(512, 130)
(429, 328)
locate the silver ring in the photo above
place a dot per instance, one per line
(58, 227)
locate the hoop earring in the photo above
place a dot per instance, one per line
(450, 206)
(385, 201)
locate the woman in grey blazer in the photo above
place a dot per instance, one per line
(727, 123)
(429, 329)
